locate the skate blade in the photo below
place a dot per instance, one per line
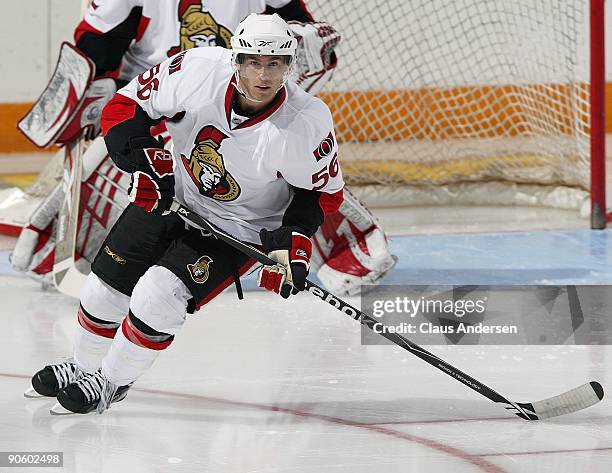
(31, 393)
(59, 410)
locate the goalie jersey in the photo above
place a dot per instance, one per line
(126, 37)
(241, 173)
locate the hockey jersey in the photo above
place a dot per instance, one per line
(127, 37)
(238, 172)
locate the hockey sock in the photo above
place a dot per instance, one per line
(133, 351)
(92, 339)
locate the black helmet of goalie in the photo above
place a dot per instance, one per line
(263, 35)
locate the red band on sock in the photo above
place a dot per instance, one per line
(138, 338)
(93, 327)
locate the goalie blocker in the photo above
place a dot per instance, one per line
(71, 103)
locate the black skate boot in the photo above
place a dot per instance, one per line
(92, 392)
(52, 378)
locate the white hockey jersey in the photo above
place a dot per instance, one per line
(237, 173)
(171, 26)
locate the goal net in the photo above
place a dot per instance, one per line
(469, 101)
(473, 102)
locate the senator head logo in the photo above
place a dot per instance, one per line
(199, 270)
(198, 28)
(206, 168)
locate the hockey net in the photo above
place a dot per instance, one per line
(473, 102)
(469, 101)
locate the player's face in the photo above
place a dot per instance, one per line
(262, 76)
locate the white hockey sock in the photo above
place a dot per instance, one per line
(89, 349)
(126, 361)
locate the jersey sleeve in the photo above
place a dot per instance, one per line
(161, 92)
(313, 150)
(313, 170)
(164, 90)
(106, 32)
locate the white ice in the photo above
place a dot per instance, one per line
(267, 385)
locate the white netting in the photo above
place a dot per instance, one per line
(465, 101)
(436, 92)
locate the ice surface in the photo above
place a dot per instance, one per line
(267, 385)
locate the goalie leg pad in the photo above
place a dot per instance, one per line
(103, 198)
(33, 251)
(351, 249)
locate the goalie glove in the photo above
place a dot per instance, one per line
(292, 250)
(152, 186)
(315, 58)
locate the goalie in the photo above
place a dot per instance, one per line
(119, 39)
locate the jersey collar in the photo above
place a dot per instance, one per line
(230, 95)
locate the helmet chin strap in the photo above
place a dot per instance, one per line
(242, 92)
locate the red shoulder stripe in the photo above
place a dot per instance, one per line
(120, 109)
(84, 27)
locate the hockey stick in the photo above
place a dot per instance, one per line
(571, 401)
(66, 276)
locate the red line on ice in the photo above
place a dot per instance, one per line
(475, 460)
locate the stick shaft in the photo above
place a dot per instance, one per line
(356, 314)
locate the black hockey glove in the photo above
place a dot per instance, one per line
(292, 250)
(152, 186)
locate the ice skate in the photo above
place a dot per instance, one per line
(52, 378)
(92, 392)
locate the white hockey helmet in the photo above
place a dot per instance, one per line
(264, 35)
(267, 35)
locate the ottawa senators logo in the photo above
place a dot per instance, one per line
(198, 28)
(325, 147)
(207, 169)
(199, 270)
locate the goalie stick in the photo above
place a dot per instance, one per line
(571, 401)
(66, 276)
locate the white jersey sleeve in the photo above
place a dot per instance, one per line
(277, 3)
(166, 89)
(312, 151)
(104, 15)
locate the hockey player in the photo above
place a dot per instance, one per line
(124, 38)
(245, 157)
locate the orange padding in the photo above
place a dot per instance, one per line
(11, 139)
(436, 113)
(459, 112)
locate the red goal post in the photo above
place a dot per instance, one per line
(599, 213)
